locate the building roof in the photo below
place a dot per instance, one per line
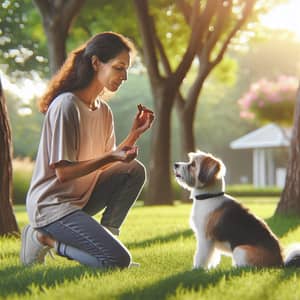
(268, 136)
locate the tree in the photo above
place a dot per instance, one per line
(290, 198)
(211, 28)
(57, 17)
(217, 31)
(8, 224)
(164, 89)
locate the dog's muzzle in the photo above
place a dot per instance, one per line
(176, 170)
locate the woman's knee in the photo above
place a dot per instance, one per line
(138, 170)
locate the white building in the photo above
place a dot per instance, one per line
(263, 141)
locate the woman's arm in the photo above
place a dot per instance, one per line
(70, 170)
(125, 152)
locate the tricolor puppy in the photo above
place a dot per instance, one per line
(221, 224)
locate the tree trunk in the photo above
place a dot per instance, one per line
(159, 190)
(187, 141)
(290, 198)
(56, 45)
(187, 137)
(57, 17)
(8, 223)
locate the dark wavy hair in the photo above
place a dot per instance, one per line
(77, 71)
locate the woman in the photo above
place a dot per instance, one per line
(79, 171)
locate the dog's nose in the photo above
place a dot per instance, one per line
(176, 165)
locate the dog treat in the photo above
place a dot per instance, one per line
(144, 109)
(140, 107)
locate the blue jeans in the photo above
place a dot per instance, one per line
(80, 237)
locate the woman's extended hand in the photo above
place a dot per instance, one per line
(143, 120)
(66, 170)
(126, 153)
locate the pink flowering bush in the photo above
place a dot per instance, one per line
(270, 101)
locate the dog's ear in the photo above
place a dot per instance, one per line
(210, 170)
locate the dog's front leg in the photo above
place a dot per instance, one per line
(203, 253)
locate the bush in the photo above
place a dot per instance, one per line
(241, 190)
(270, 101)
(250, 190)
(22, 172)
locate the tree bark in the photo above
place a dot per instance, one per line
(187, 136)
(57, 17)
(159, 189)
(8, 223)
(289, 203)
(57, 45)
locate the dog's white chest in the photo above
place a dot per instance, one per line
(200, 211)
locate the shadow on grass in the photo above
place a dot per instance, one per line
(289, 273)
(196, 280)
(281, 225)
(20, 280)
(161, 239)
(189, 280)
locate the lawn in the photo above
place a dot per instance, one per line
(160, 239)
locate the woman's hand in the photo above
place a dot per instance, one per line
(143, 120)
(125, 154)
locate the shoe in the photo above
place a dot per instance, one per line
(32, 251)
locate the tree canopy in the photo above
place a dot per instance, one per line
(23, 44)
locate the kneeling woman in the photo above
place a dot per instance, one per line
(79, 171)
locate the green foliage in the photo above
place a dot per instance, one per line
(22, 172)
(104, 15)
(160, 239)
(21, 29)
(251, 191)
(236, 190)
(171, 28)
(23, 41)
(23, 45)
(226, 71)
(25, 128)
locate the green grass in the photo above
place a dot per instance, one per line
(160, 239)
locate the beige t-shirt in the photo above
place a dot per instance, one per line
(71, 132)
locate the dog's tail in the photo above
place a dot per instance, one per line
(292, 255)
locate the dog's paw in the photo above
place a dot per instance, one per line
(199, 269)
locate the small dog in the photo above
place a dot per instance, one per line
(224, 226)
